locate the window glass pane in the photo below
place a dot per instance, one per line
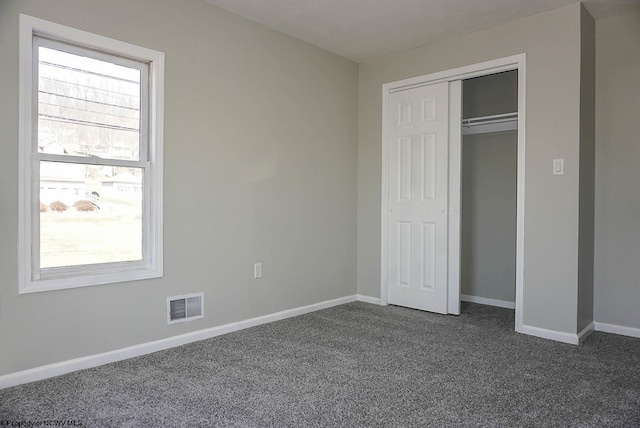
(89, 214)
(87, 106)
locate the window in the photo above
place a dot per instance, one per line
(91, 126)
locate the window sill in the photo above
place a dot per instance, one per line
(89, 279)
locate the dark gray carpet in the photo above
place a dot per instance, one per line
(355, 365)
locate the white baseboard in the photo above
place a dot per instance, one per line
(585, 332)
(56, 369)
(576, 339)
(558, 336)
(368, 299)
(617, 329)
(486, 301)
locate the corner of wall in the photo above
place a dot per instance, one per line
(587, 170)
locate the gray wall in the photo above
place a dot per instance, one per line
(587, 167)
(489, 171)
(551, 41)
(260, 165)
(490, 95)
(617, 224)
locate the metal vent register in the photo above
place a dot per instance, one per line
(185, 308)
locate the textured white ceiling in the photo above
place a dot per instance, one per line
(363, 29)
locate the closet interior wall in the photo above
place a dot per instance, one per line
(489, 174)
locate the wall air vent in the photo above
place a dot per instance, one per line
(185, 308)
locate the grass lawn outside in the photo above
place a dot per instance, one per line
(111, 234)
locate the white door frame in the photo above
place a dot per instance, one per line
(454, 76)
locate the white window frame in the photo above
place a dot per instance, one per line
(31, 277)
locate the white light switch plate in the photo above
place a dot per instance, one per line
(257, 270)
(558, 167)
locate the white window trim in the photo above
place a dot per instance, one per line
(82, 276)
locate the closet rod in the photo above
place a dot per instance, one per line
(488, 124)
(486, 120)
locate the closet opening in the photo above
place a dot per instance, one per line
(489, 189)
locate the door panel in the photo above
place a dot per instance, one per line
(418, 198)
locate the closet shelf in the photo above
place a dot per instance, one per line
(486, 124)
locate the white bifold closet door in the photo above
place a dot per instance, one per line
(418, 127)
